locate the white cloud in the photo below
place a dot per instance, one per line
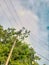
(28, 20)
(24, 13)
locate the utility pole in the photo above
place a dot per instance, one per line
(18, 35)
(9, 56)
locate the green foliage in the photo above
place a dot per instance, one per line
(44, 64)
(22, 53)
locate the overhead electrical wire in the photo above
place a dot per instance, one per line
(11, 23)
(21, 21)
(6, 15)
(16, 13)
(42, 56)
(38, 40)
(10, 11)
(39, 54)
(39, 46)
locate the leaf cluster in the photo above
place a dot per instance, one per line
(22, 53)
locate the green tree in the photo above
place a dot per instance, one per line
(22, 54)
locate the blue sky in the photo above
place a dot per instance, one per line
(31, 14)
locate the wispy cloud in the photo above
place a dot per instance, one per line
(34, 15)
(40, 8)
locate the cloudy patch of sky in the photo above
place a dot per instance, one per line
(32, 14)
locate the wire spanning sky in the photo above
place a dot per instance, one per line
(31, 14)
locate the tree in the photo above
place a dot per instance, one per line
(22, 54)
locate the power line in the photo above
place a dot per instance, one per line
(14, 9)
(20, 19)
(15, 12)
(17, 15)
(10, 11)
(39, 49)
(6, 16)
(42, 56)
(38, 44)
(40, 40)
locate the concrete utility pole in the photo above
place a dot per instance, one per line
(9, 56)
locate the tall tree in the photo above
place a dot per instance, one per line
(21, 53)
